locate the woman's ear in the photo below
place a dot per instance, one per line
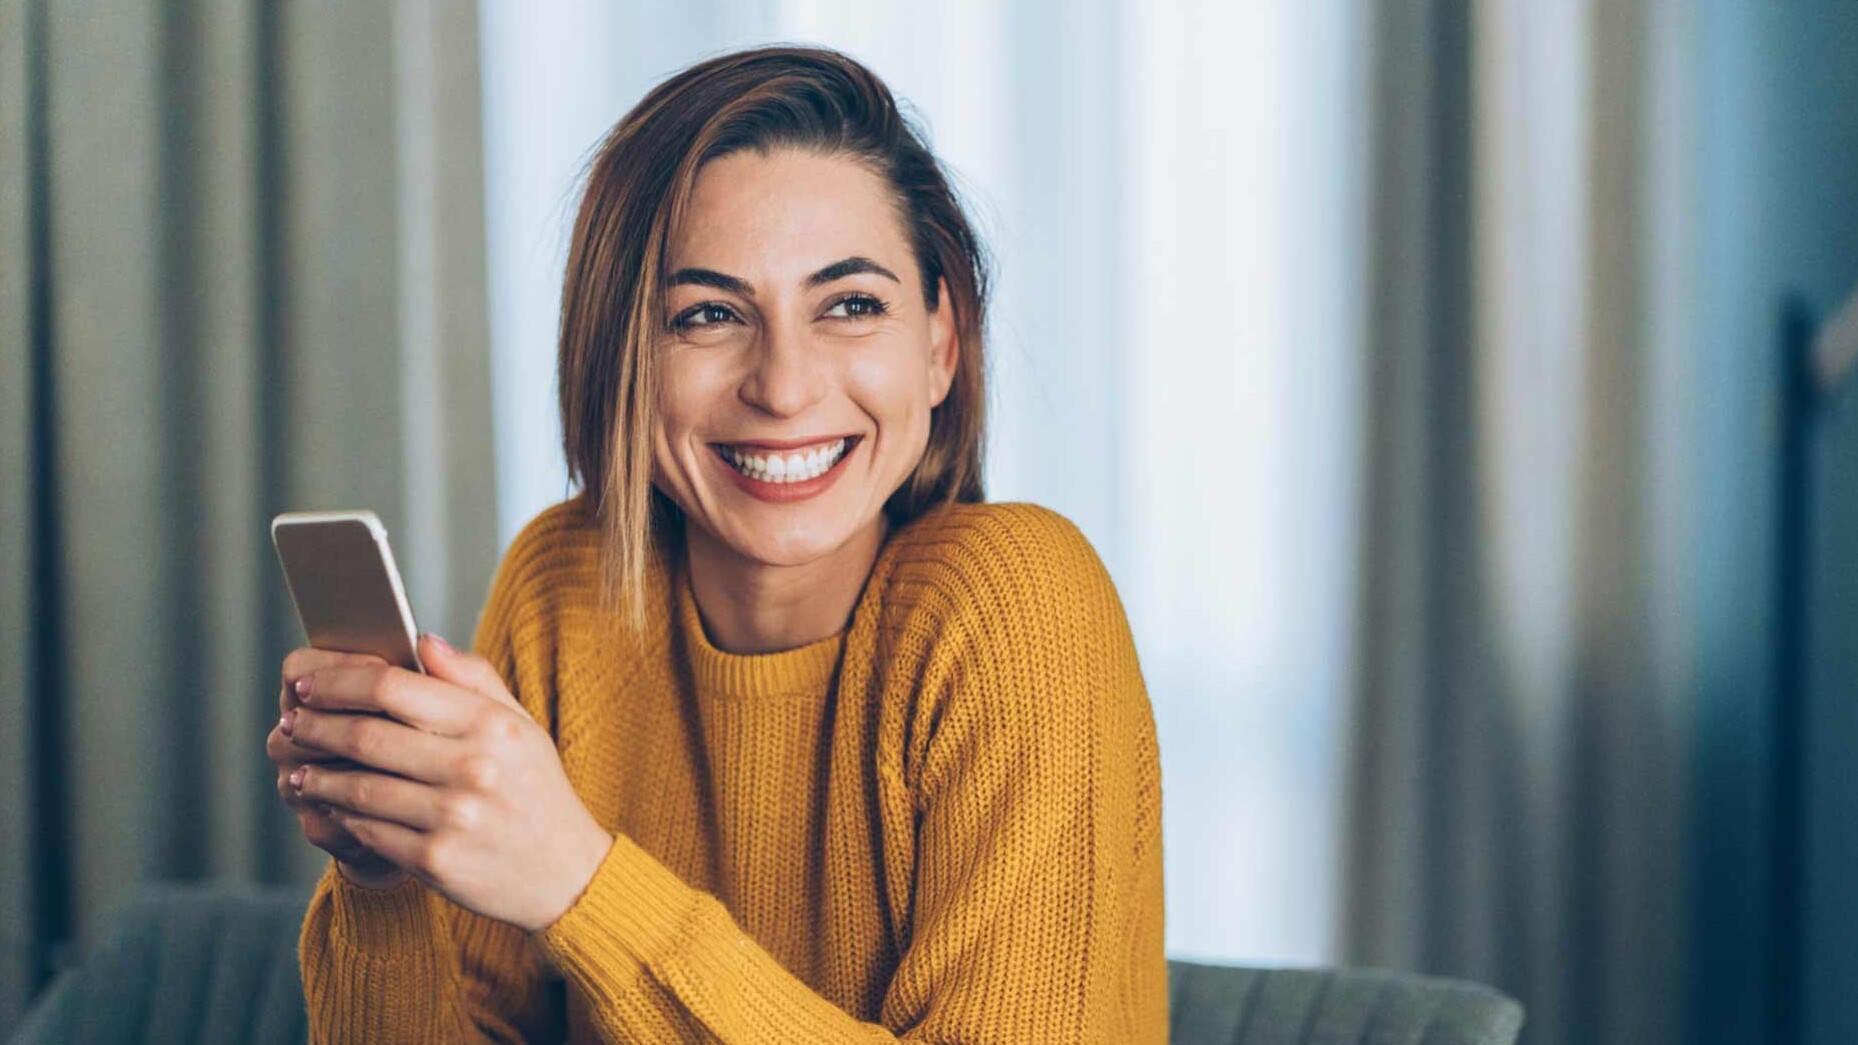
(944, 346)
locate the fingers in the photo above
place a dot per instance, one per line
(294, 798)
(398, 843)
(305, 659)
(464, 668)
(423, 702)
(381, 797)
(375, 742)
(287, 754)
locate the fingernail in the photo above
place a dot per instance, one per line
(302, 686)
(296, 778)
(443, 645)
(289, 722)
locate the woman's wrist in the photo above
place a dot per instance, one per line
(592, 849)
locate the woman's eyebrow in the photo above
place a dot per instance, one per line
(714, 279)
(849, 267)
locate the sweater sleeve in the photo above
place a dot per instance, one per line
(408, 965)
(1037, 908)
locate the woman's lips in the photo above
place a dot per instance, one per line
(782, 492)
(786, 445)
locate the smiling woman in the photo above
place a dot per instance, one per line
(775, 732)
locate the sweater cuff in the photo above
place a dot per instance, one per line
(379, 922)
(632, 913)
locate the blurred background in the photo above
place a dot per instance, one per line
(1437, 380)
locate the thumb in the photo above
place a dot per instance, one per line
(462, 668)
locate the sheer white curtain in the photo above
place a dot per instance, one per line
(1171, 192)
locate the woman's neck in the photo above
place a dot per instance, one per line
(752, 607)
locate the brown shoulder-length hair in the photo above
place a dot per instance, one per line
(612, 299)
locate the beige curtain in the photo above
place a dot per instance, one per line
(1518, 800)
(241, 271)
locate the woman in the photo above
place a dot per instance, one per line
(776, 733)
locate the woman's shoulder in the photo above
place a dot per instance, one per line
(560, 526)
(1006, 610)
(552, 559)
(1004, 555)
(993, 533)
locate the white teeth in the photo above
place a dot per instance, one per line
(788, 468)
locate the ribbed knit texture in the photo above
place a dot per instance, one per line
(943, 824)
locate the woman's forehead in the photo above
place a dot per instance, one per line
(776, 217)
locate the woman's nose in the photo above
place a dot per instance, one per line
(788, 375)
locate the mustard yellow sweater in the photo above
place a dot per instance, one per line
(943, 824)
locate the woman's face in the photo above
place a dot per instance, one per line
(798, 361)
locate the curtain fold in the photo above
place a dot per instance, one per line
(19, 484)
(241, 272)
(1517, 807)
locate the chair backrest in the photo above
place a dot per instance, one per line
(215, 963)
(1226, 1005)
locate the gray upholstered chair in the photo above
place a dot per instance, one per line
(216, 965)
(1226, 1005)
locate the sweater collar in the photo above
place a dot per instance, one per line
(802, 671)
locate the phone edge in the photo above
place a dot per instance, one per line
(378, 531)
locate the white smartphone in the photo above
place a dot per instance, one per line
(342, 577)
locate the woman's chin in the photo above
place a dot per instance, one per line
(801, 550)
(798, 546)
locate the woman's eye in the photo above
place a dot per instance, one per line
(708, 314)
(857, 306)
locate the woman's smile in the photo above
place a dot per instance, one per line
(786, 471)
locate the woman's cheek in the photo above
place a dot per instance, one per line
(680, 398)
(892, 384)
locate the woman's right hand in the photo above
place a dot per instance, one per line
(358, 863)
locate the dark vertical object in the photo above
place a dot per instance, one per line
(184, 845)
(1451, 493)
(51, 861)
(272, 402)
(1792, 534)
